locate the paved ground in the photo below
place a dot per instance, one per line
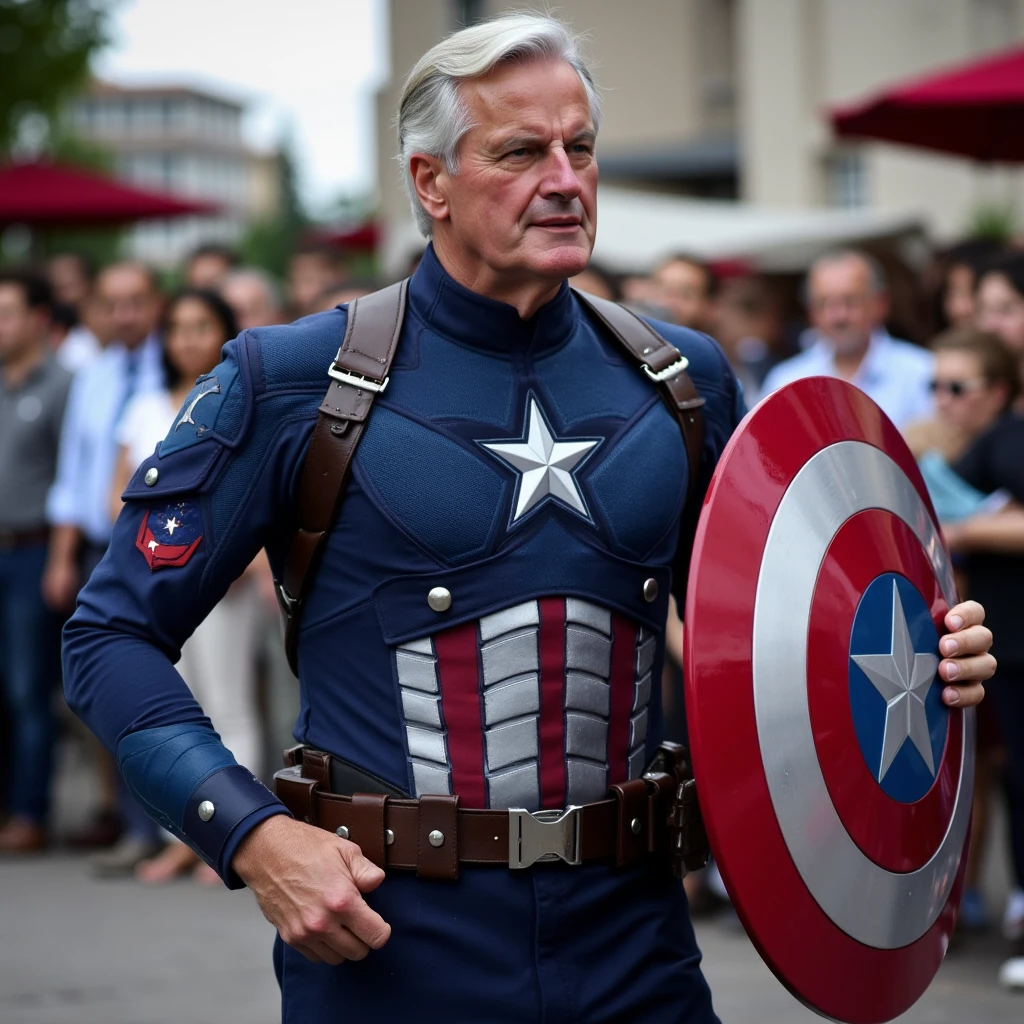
(78, 951)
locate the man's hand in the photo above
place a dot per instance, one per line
(309, 885)
(60, 584)
(967, 663)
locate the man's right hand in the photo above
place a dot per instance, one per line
(60, 584)
(309, 885)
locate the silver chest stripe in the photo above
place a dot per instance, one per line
(416, 671)
(586, 736)
(516, 787)
(584, 692)
(587, 651)
(509, 620)
(645, 655)
(511, 743)
(638, 729)
(879, 908)
(586, 781)
(513, 655)
(513, 699)
(425, 735)
(646, 647)
(584, 613)
(642, 695)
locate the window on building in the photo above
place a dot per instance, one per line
(847, 180)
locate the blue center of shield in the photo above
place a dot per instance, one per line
(895, 695)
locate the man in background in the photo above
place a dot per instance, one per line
(33, 393)
(254, 298)
(685, 287)
(72, 276)
(311, 271)
(209, 265)
(847, 306)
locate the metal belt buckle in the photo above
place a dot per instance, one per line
(357, 380)
(543, 836)
(670, 371)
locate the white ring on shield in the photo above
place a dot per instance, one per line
(880, 908)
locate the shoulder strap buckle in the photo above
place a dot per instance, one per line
(673, 370)
(356, 380)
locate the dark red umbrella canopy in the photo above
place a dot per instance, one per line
(975, 110)
(45, 195)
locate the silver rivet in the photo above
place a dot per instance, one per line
(648, 350)
(435, 838)
(152, 475)
(389, 836)
(650, 589)
(206, 810)
(440, 599)
(342, 831)
(634, 826)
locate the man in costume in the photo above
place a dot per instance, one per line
(478, 642)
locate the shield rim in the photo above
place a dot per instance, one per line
(812, 414)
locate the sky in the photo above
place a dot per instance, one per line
(307, 68)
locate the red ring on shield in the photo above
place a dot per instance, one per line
(818, 962)
(900, 837)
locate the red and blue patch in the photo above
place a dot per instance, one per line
(170, 535)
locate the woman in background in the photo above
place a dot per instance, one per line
(218, 662)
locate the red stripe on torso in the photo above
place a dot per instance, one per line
(459, 674)
(623, 684)
(551, 642)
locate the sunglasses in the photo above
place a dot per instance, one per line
(956, 388)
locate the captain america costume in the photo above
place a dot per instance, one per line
(530, 471)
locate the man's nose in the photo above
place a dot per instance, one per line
(560, 178)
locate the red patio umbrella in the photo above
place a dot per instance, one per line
(47, 195)
(974, 110)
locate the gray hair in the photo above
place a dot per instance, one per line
(432, 117)
(877, 281)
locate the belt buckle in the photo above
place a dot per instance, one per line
(543, 836)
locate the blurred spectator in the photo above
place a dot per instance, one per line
(747, 324)
(71, 277)
(78, 506)
(847, 306)
(963, 266)
(254, 298)
(209, 265)
(341, 292)
(218, 661)
(599, 281)
(993, 542)
(33, 393)
(311, 270)
(686, 287)
(1001, 303)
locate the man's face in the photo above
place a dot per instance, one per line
(309, 275)
(21, 328)
(128, 304)
(68, 280)
(207, 271)
(249, 301)
(1001, 311)
(682, 288)
(844, 308)
(524, 203)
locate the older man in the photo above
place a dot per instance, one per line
(847, 304)
(487, 614)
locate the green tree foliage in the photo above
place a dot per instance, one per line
(45, 48)
(270, 243)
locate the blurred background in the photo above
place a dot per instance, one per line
(823, 185)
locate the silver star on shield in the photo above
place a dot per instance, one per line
(545, 465)
(902, 677)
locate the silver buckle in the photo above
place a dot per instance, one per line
(357, 380)
(673, 370)
(543, 836)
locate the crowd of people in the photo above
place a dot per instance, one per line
(95, 366)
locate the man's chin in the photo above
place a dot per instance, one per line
(562, 260)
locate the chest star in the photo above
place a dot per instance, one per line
(545, 465)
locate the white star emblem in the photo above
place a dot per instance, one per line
(153, 545)
(544, 464)
(171, 525)
(902, 677)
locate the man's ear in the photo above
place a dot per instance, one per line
(429, 178)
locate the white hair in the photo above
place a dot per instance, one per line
(432, 117)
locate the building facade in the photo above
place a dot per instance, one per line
(188, 142)
(728, 98)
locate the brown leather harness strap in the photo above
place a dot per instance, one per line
(358, 374)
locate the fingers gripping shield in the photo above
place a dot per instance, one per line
(835, 785)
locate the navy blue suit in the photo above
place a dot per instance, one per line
(532, 471)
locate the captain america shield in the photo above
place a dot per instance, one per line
(835, 784)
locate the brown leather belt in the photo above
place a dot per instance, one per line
(433, 835)
(13, 539)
